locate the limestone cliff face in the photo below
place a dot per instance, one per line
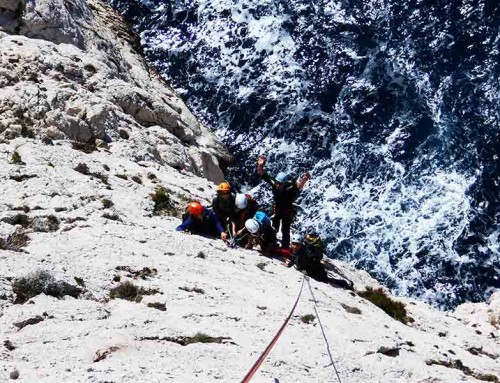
(73, 70)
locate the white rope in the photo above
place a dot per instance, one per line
(322, 329)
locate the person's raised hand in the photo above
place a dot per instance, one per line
(261, 161)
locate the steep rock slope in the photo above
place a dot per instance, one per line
(94, 232)
(85, 215)
(71, 70)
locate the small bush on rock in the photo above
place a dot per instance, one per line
(102, 177)
(82, 168)
(18, 219)
(16, 158)
(126, 290)
(111, 216)
(42, 282)
(130, 292)
(163, 202)
(192, 289)
(158, 306)
(84, 147)
(391, 307)
(15, 242)
(106, 203)
(122, 176)
(307, 319)
(137, 179)
(351, 309)
(123, 134)
(261, 265)
(204, 338)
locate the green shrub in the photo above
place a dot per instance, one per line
(203, 338)
(158, 306)
(14, 242)
(16, 158)
(201, 255)
(42, 282)
(106, 203)
(126, 290)
(123, 134)
(192, 289)
(79, 281)
(391, 307)
(136, 179)
(307, 319)
(163, 202)
(85, 147)
(19, 219)
(111, 216)
(143, 273)
(351, 309)
(102, 177)
(82, 168)
(261, 265)
(130, 292)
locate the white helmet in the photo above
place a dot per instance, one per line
(252, 226)
(241, 201)
(296, 238)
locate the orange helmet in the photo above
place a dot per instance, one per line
(224, 187)
(195, 208)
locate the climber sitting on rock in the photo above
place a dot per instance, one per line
(223, 203)
(285, 191)
(244, 209)
(200, 220)
(258, 230)
(307, 254)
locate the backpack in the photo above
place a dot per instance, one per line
(262, 218)
(314, 242)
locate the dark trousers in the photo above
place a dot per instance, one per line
(285, 221)
(314, 269)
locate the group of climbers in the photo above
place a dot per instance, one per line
(237, 220)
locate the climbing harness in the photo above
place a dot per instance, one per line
(321, 326)
(263, 356)
(231, 242)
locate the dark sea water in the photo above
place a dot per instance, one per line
(393, 106)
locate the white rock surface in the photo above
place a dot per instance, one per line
(240, 301)
(65, 75)
(70, 70)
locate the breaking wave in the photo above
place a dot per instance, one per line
(395, 108)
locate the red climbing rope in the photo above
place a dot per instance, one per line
(263, 356)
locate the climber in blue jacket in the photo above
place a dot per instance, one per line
(200, 220)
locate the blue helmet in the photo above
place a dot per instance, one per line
(282, 177)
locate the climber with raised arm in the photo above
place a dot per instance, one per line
(200, 220)
(285, 191)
